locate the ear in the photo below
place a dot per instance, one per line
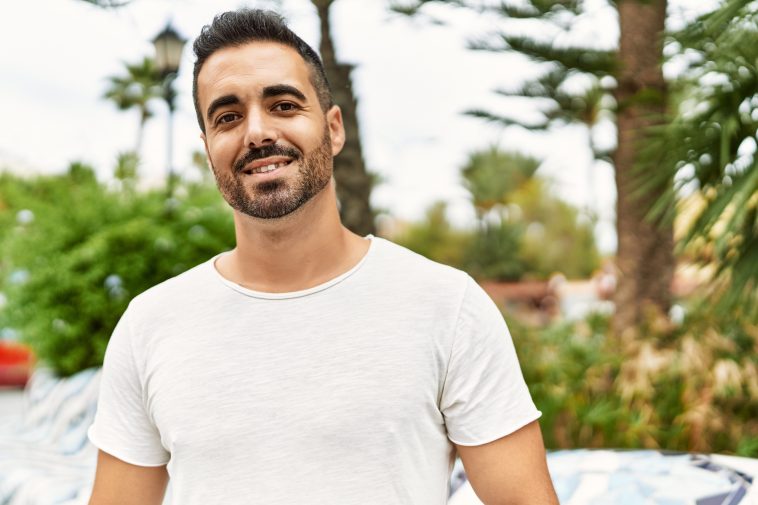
(336, 129)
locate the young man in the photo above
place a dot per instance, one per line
(308, 365)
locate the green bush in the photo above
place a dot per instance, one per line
(436, 238)
(69, 273)
(493, 252)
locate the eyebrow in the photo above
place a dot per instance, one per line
(283, 89)
(268, 92)
(221, 102)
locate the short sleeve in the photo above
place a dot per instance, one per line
(484, 396)
(122, 426)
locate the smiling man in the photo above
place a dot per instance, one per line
(308, 365)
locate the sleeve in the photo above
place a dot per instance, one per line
(484, 395)
(122, 426)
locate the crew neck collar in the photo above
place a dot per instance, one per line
(292, 294)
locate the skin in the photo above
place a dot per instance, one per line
(259, 95)
(120, 483)
(512, 470)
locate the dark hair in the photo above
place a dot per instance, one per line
(235, 28)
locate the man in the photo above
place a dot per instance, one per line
(308, 365)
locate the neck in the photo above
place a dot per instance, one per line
(304, 249)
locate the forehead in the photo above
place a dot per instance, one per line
(250, 67)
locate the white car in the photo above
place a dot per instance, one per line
(639, 477)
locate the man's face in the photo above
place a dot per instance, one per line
(268, 142)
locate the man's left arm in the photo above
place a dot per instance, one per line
(511, 470)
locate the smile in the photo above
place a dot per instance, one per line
(265, 168)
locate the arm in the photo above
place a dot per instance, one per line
(511, 470)
(120, 483)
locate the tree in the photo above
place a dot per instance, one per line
(644, 258)
(557, 236)
(627, 83)
(135, 90)
(492, 175)
(523, 228)
(436, 238)
(354, 182)
(710, 145)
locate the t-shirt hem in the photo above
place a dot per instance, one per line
(117, 453)
(511, 428)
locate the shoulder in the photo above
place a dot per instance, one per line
(394, 259)
(175, 294)
(416, 279)
(425, 279)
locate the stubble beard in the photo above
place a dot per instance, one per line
(279, 197)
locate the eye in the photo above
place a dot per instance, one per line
(227, 118)
(285, 107)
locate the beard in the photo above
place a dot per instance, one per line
(279, 197)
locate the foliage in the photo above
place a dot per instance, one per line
(494, 252)
(557, 237)
(505, 250)
(582, 83)
(435, 237)
(556, 50)
(135, 89)
(70, 271)
(523, 228)
(710, 144)
(492, 175)
(692, 387)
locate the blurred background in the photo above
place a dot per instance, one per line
(591, 163)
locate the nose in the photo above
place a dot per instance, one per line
(260, 129)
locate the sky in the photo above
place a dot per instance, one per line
(413, 79)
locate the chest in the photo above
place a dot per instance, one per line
(276, 384)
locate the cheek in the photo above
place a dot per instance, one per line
(221, 152)
(309, 137)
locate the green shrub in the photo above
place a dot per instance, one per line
(69, 273)
(692, 387)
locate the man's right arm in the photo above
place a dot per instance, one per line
(121, 483)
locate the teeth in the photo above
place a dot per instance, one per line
(268, 168)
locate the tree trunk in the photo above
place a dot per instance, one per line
(353, 181)
(645, 249)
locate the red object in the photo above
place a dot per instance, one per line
(15, 364)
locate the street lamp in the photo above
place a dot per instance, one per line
(168, 54)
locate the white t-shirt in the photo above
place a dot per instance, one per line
(346, 393)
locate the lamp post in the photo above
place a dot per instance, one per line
(168, 54)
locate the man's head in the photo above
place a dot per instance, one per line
(269, 127)
(236, 28)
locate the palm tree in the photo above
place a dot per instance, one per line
(354, 182)
(645, 247)
(710, 145)
(645, 256)
(134, 90)
(492, 176)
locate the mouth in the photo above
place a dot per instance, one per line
(266, 166)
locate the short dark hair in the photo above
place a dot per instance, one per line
(236, 28)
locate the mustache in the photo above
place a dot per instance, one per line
(264, 152)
